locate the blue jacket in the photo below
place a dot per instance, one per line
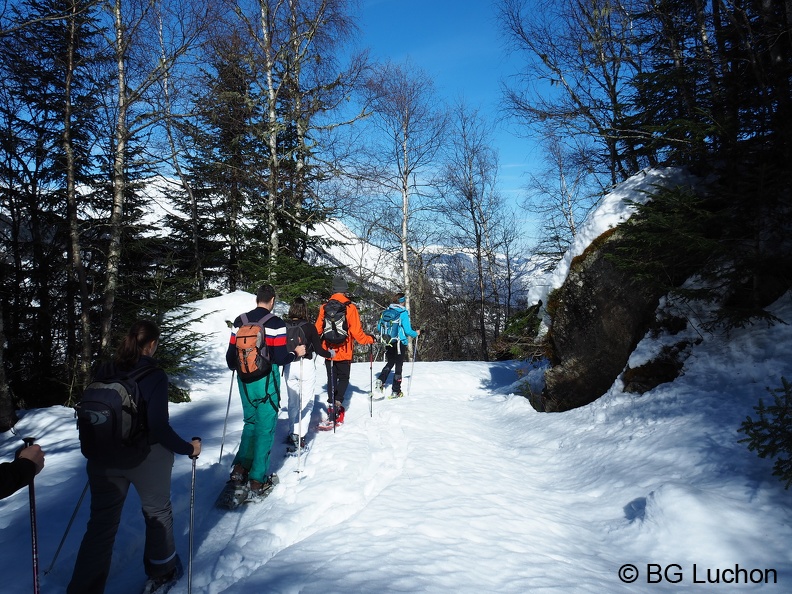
(405, 328)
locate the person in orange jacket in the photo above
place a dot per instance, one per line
(339, 367)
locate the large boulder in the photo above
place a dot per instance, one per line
(597, 318)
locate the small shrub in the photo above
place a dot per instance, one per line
(771, 434)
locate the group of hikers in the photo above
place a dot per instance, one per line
(258, 375)
(333, 336)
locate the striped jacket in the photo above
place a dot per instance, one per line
(275, 337)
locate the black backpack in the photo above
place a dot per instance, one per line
(335, 329)
(111, 418)
(295, 336)
(253, 361)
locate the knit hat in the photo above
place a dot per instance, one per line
(340, 285)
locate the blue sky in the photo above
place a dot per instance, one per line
(460, 45)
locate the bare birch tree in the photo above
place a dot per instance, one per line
(139, 66)
(472, 206)
(409, 128)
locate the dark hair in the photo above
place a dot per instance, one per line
(140, 334)
(298, 310)
(265, 294)
(397, 297)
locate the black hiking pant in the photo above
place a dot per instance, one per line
(394, 357)
(340, 378)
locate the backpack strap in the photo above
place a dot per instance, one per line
(111, 371)
(268, 398)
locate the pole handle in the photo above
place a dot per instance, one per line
(193, 439)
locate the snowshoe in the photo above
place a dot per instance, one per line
(234, 492)
(379, 390)
(328, 424)
(291, 449)
(396, 395)
(256, 493)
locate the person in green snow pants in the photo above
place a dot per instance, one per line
(260, 397)
(260, 414)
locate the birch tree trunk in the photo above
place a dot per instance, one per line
(118, 182)
(83, 365)
(268, 25)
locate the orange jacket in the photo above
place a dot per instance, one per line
(354, 329)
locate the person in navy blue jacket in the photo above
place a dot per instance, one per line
(396, 346)
(151, 478)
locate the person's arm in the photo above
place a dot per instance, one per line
(316, 341)
(319, 325)
(154, 389)
(406, 326)
(276, 341)
(15, 475)
(231, 352)
(355, 327)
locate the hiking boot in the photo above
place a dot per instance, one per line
(162, 583)
(396, 395)
(291, 440)
(378, 385)
(238, 475)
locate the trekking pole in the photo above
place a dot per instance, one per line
(371, 380)
(28, 441)
(412, 366)
(299, 421)
(228, 408)
(332, 394)
(68, 527)
(192, 521)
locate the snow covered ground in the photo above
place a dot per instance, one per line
(459, 487)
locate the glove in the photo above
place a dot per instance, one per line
(332, 353)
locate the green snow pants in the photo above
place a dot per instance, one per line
(260, 406)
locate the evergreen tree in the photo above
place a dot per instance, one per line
(51, 77)
(226, 171)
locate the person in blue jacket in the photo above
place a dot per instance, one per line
(395, 333)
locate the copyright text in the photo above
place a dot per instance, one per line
(673, 573)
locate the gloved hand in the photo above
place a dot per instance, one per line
(332, 353)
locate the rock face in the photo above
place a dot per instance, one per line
(598, 316)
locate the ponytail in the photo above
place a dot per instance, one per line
(140, 334)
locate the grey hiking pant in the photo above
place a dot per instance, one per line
(109, 488)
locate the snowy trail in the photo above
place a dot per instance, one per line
(461, 487)
(450, 452)
(296, 509)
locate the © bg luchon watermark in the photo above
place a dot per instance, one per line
(674, 573)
